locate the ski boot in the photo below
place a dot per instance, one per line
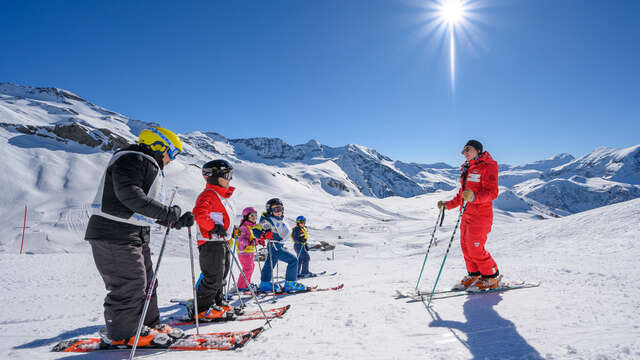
(485, 283)
(294, 286)
(466, 281)
(216, 313)
(266, 286)
(174, 333)
(148, 338)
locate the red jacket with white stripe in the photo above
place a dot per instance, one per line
(210, 211)
(481, 177)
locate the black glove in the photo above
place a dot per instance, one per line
(172, 216)
(185, 220)
(218, 230)
(306, 247)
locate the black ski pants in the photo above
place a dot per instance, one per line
(127, 270)
(215, 262)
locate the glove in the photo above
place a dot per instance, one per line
(268, 235)
(442, 204)
(468, 195)
(262, 242)
(306, 247)
(185, 220)
(218, 230)
(172, 216)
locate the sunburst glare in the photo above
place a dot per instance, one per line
(452, 19)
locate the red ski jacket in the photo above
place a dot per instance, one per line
(481, 177)
(210, 211)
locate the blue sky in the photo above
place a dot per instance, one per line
(540, 77)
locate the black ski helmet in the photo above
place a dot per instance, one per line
(272, 202)
(215, 169)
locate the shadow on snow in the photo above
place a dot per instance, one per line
(489, 335)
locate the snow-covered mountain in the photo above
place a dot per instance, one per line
(567, 185)
(56, 145)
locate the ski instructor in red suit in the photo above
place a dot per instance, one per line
(479, 178)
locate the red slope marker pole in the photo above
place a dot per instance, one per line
(24, 226)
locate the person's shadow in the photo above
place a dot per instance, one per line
(489, 335)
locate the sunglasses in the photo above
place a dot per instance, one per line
(276, 209)
(466, 149)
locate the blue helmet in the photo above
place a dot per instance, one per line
(301, 219)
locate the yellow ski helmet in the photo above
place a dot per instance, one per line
(161, 140)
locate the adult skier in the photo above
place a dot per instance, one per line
(300, 236)
(272, 221)
(479, 179)
(212, 215)
(130, 198)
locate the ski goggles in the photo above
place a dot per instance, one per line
(172, 151)
(227, 175)
(276, 209)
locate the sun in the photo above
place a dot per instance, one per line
(452, 20)
(452, 11)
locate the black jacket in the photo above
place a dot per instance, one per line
(127, 183)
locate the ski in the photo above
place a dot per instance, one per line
(307, 290)
(313, 275)
(418, 293)
(443, 294)
(319, 274)
(243, 316)
(223, 341)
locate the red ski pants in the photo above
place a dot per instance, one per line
(477, 259)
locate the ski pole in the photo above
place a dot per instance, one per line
(235, 283)
(447, 252)
(152, 285)
(258, 258)
(235, 246)
(273, 287)
(299, 252)
(193, 284)
(440, 215)
(255, 297)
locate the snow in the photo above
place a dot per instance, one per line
(587, 306)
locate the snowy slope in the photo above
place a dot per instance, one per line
(586, 308)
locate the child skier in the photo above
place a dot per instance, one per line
(250, 235)
(300, 235)
(272, 221)
(213, 221)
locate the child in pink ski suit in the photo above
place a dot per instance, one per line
(250, 236)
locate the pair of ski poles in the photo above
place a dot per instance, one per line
(439, 221)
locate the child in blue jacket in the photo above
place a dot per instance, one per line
(272, 221)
